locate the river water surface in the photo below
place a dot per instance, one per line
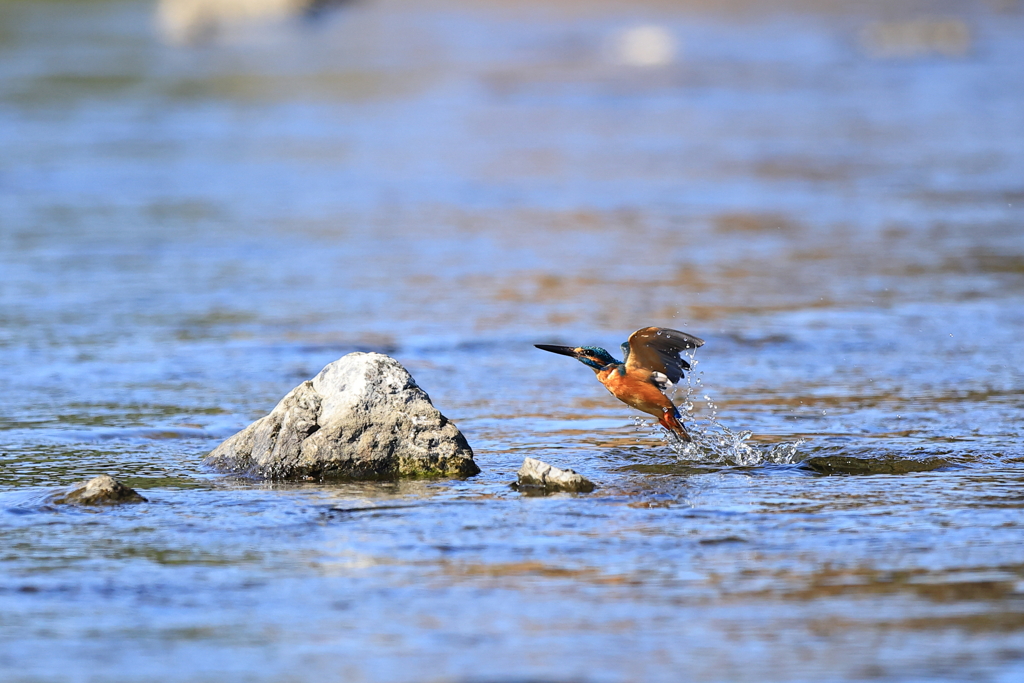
(193, 223)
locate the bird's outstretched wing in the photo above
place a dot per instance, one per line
(657, 349)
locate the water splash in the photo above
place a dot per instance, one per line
(713, 442)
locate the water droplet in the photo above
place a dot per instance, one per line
(713, 442)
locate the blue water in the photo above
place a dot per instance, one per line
(190, 229)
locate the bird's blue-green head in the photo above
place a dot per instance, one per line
(592, 356)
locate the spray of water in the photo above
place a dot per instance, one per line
(713, 442)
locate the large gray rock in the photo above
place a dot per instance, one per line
(362, 417)
(538, 474)
(101, 490)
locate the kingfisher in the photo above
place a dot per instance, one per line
(652, 364)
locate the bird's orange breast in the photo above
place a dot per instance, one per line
(635, 390)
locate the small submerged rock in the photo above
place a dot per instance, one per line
(362, 417)
(844, 464)
(101, 490)
(537, 474)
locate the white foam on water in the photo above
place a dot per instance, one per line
(713, 442)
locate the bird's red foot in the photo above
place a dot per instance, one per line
(670, 422)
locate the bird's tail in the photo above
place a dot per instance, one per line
(670, 420)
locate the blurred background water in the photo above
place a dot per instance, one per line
(203, 203)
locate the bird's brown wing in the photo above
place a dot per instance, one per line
(657, 349)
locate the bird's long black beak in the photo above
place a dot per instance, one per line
(563, 350)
